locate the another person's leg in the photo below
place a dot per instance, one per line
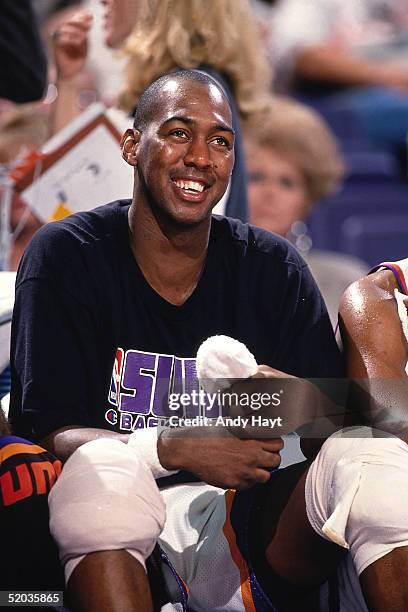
(384, 582)
(353, 496)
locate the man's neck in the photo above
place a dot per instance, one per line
(170, 258)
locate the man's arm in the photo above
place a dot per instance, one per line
(64, 441)
(376, 351)
(215, 456)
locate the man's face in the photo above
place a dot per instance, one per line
(185, 154)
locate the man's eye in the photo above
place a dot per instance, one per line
(178, 133)
(223, 142)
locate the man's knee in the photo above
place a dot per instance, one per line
(105, 499)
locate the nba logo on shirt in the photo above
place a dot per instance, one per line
(114, 391)
(140, 386)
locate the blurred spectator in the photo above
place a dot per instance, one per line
(293, 162)
(106, 64)
(22, 129)
(23, 69)
(217, 36)
(352, 53)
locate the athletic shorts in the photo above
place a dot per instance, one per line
(209, 556)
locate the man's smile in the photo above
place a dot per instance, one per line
(191, 189)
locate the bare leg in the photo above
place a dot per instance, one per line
(384, 583)
(109, 581)
(295, 551)
(289, 558)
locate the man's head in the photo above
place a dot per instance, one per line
(182, 146)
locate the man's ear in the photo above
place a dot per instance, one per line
(129, 145)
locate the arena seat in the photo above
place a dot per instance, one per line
(376, 238)
(365, 200)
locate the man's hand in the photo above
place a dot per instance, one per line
(274, 396)
(289, 404)
(70, 42)
(218, 457)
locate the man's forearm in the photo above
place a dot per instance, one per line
(63, 442)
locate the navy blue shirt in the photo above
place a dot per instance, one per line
(94, 345)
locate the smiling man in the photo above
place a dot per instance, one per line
(186, 142)
(111, 307)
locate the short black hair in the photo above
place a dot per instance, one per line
(149, 97)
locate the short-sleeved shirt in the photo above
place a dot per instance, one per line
(94, 345)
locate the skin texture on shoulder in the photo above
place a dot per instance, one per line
(376, 351)
(371, 330)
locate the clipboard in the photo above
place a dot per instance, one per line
(80, 168)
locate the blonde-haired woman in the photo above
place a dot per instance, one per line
(219, 34)
(216, 36)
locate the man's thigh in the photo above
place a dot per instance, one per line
(200, 545)
(223, 544)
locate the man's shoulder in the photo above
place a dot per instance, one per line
(255, 242)
(368, 298)
(83, 227)
(60, 243)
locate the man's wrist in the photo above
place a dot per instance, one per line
(145, 443)
(67, 81)
(169, 450)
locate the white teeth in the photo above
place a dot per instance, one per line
(190, 185)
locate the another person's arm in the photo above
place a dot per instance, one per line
(376, 352)
(311, 43)
(326, 63)
(70, 47)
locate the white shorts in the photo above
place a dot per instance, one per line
(356, 496)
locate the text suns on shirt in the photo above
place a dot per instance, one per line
(140, 387)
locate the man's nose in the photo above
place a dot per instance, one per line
(198, 154)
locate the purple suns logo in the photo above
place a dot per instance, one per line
(140, 386)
